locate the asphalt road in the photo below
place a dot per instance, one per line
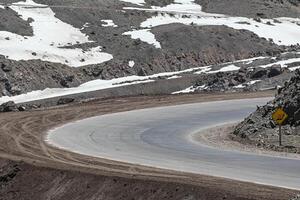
(161, 137)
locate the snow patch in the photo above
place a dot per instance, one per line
(189, 13)
(174, 77)
(138, 2)
(131, 63)
(282, 63)
(294, 68)
(226, 69)
(47, 42)
(246, 84)
(87, 87)
(190, 89)
(108, 23)
(85, 26)
(144, 35)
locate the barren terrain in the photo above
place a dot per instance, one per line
(63, 175)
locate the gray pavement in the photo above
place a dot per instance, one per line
(161, 137)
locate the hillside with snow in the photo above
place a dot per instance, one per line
(55, 48)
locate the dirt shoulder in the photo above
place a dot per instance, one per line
(221, 137)
(56, 174)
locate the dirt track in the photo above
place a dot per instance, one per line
(21, 136)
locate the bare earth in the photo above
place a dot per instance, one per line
(29, 169)
(220, 137)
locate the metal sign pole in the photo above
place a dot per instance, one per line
(280, 140)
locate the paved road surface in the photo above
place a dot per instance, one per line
(161, 137)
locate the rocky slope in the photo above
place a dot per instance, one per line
(183, 46)
(253, 8)
(260, 129)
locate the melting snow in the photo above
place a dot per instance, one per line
(144, 35)
(226, 69)
(190, 89)
(131, 63)
(174, 77)
(47, 42)
(108, 22)
(138, 2)
(282, 63)
(246, 84)
(85, 26)
(87, 87)
(294, 68)
(287, 32)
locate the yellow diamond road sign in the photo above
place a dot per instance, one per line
(279, 116)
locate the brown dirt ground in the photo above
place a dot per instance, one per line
(29, 169)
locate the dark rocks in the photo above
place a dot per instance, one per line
(63, 101)
(9, 107)
(254, 8)
(5, 67)
(288, 98)
(142, 72)
(295, 2)
(259, 73)
(66, 81)
(296, 197)
(275, 70)
(9, 175)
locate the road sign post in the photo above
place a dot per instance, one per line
(280, 135)
(279, 116)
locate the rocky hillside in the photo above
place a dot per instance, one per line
(259, 127)
(253, 8)
(111, 39)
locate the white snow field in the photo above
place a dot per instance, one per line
(108, 23)
(48, 42)
(144, 35)
(226, 69)
(283, 31)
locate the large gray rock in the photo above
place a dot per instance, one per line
(8, 107)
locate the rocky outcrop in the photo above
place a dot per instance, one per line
(9, 107)
(259, 128)
(63, 101)
(253, 8)
(245, 79)
(296, 198)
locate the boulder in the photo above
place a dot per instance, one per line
(6, 68)
(259, 73)
(275, 70)
(63, 101)
(9, 106)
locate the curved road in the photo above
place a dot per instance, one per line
(161, 137)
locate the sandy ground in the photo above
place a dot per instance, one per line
(22, 134)
(220, 137)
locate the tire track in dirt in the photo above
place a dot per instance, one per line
(22, 138)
